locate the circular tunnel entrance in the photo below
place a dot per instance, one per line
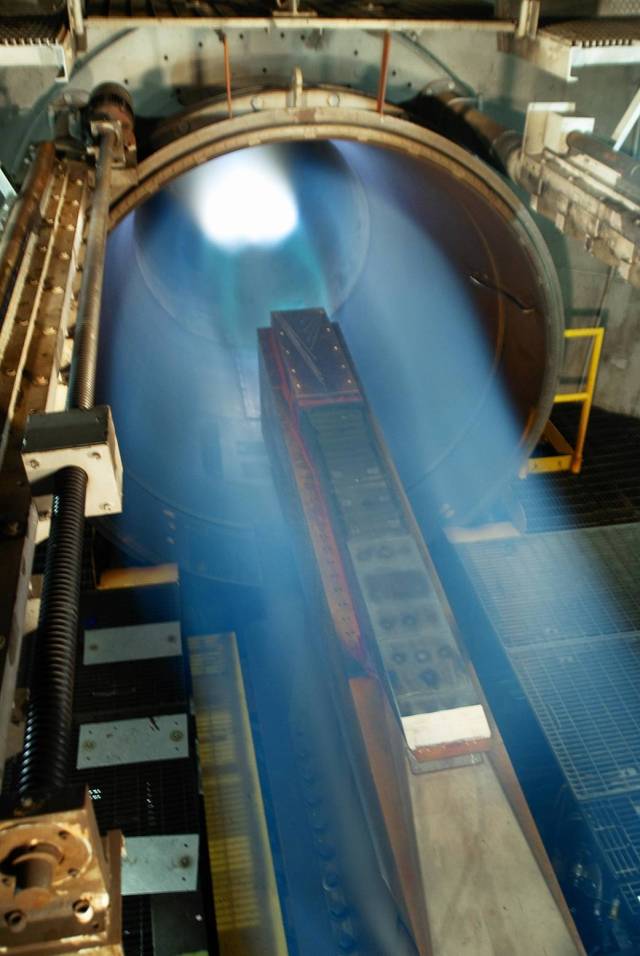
(438, 277)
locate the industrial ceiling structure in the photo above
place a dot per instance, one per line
(320, 477)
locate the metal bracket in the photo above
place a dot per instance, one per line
(528, 19)
(296, 88)
(84, 438)
(7, 196)
(627, 121)
(60, 887)
(547, 126)
(42, 54)
(76, 22)
(289, 8)
(7, 192)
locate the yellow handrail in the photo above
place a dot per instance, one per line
(570, 458)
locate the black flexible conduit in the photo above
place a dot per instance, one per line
(45, 757)
(48, 733)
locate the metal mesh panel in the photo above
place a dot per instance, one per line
(129, 689)
(566, 607)
(585, 696)
(546, 588)
(574, 8)
(615, 823)
(606, 492)
(601, 32)
(144, 799)
(137, 932)
(31, 29)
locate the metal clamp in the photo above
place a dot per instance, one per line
(84, 438)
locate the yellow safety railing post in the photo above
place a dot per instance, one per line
(570, 458)
(592, 375)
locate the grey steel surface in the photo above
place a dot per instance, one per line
(111, 645)
(160, 864)
(133, 741)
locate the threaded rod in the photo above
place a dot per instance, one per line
(46, 754)
(47, 742)
(83, 370)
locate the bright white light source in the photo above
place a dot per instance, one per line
(242, 199)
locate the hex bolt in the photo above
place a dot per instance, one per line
(105, 507)
(15, 920)
(34, 463)
(95, 455)
(185, 861)
(176, 735)
(89, 745)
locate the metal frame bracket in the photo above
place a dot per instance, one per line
(83, 438)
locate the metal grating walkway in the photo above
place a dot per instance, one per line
(566, 607)
(586, 697)
(616, 826)
(548, 588)
(606, 492)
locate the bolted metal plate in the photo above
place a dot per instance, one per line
(84, 438)
(111, 645)
(160, 864)
(133, 741)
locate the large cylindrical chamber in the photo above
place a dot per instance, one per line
(439, 280)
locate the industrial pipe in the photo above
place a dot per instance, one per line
(455, 116)
(46, 752)
(625, 166)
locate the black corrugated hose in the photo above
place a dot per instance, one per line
(46, 754)
(47, 742)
